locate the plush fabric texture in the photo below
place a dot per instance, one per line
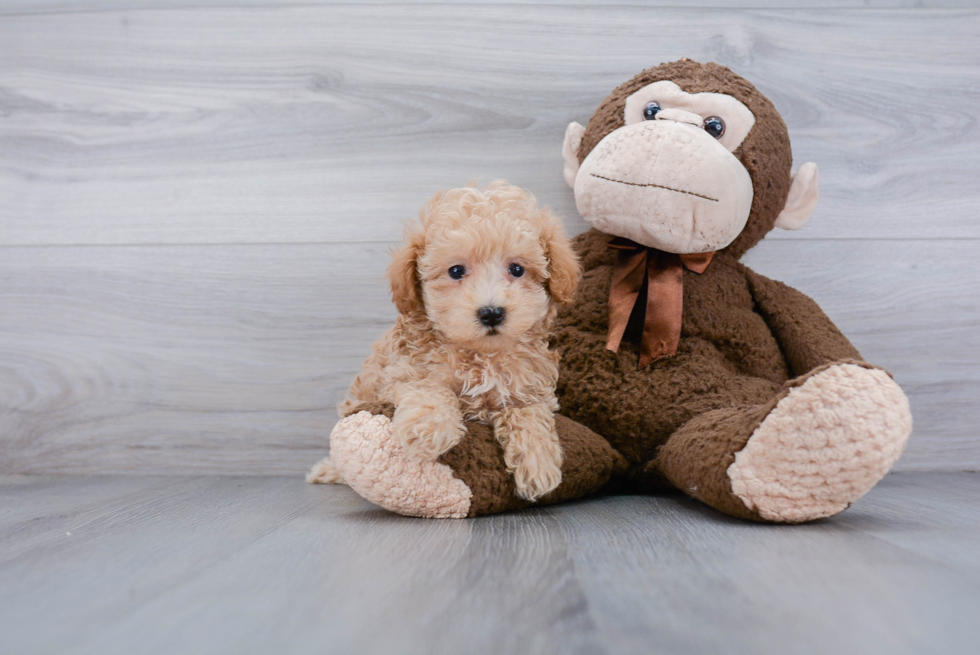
(364, 454)
(746, 342)
(804, 192)
(823, 446)
(695, 195)
(588, 463)
(569, 152)
(324, 472)
(698, 457)
(727, 357)
(765, 152)
(807, 338)
(377, 467)
(765, 412)
(739, 119)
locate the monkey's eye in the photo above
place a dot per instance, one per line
(714, 126)
(516, 270)
(457, 272)
(650, 111)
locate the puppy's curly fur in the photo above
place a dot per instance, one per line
(441, 365)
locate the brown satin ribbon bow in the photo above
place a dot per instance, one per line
(663, 273)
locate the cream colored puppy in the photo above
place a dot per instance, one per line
(476, 287)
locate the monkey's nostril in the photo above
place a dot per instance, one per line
(491, 316)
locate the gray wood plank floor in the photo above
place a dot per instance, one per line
(272, 565)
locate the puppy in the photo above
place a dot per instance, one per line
(476, 286)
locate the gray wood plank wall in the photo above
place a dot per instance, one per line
(196, 204)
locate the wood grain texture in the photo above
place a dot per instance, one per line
(23, 7)
(182, 358)
(329, 123)
(231, 359)
(206, 565)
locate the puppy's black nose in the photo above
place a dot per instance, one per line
(490, 316)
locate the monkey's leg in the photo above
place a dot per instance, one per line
(819, 445)
(469, 480)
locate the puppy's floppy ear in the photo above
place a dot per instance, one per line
(406, 287)
(564, 270)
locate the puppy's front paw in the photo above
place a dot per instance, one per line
(426, 432)
(538, 471)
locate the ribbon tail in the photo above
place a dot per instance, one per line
(664, 309)
(618, 328)
(627, 281)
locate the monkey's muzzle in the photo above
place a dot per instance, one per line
(665, 184)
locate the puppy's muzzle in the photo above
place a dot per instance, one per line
(491, 316)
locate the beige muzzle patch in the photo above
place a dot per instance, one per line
(667, 185)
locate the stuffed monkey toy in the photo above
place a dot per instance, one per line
(681, 368)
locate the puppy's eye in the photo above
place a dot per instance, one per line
(457, 272)
(650, 111)
(516, 270)
(714, 126)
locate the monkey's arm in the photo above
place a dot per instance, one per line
(807, 337)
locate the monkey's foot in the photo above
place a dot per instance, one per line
(470, 480)
(324, 472)
(823, 446)
(380, 470)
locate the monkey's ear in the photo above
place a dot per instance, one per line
(406, 287)
(569, 151)
(802, 199)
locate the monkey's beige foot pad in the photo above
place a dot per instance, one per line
(380, 470)
(824, 445)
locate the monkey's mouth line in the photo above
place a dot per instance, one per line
(657, 186)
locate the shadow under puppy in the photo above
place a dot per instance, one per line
(476, 286)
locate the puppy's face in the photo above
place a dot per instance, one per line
(486, 267)
(484, 281)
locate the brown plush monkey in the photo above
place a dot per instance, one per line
(680, 366)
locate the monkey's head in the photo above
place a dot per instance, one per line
(688, 158)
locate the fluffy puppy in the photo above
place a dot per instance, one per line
(476, 286)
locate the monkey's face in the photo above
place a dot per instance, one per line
(668, 177)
